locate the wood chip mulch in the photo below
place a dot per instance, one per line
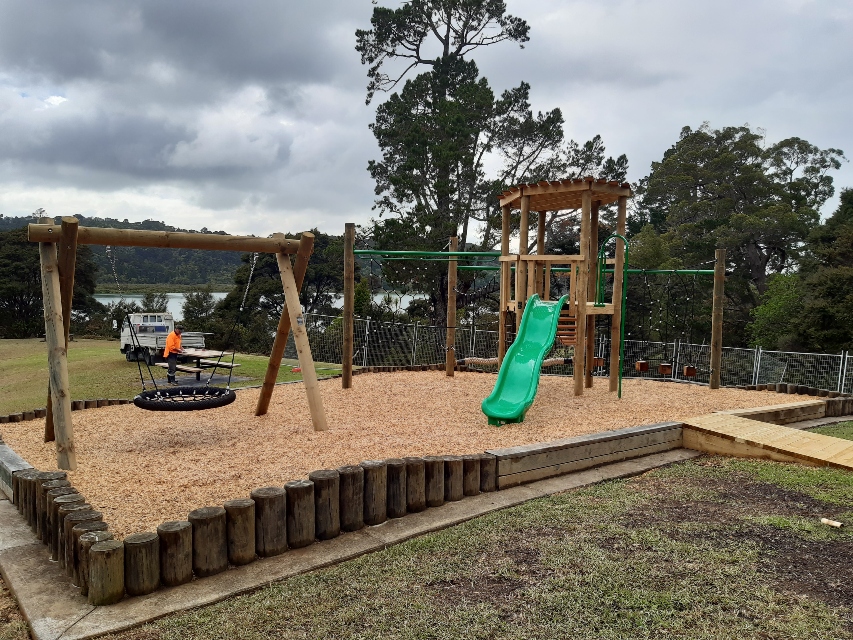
(142, 468)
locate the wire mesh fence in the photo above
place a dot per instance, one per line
(397, 344)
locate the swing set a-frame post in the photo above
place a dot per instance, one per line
(58, 286)
(303, 254)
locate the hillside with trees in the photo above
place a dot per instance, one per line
(141, 265)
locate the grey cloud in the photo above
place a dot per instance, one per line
(255, 40)
(252, 114)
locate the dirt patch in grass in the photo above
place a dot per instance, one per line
(812, 568)
(793, 561)
(721, 501)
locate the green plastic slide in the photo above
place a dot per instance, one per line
(518, 378)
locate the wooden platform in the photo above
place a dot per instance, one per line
(732, 435)
(782, 413)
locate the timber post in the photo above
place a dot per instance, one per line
(450, 345)
(141, 563)
(300, 513)
(415, 485)
(270, 521)
(349, 304)
(327, 503)
(521, 267)
(618, 273)
(303, 349)
(351, 504)
(176, 552)
(54, 331)
(106, 572)
(49, 435)
(303, 254)
(592, 261)
(240, 530)
(210, 542)
(580, 295)
(453, 488)
(397, 490)
(717, 318)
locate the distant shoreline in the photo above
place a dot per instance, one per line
(142, 289)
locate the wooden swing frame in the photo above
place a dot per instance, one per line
(57, 271)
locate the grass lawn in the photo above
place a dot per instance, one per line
(711, 548)
(837, 430)
(97, 369)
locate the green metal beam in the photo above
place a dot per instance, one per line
(683, 272)
(474, 267)
(427, 254)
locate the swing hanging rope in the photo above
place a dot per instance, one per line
(189, 398)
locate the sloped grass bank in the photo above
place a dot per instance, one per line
(97, 369)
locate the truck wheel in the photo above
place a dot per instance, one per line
(128, 353)
(151, 358)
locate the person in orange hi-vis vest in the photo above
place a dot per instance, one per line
(173, 348)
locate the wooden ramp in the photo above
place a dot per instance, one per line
(733, 435)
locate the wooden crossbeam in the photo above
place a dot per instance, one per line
(166, 239)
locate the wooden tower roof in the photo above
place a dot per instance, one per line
(564, 194)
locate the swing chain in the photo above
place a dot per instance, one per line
(112, 259)
(249, 281)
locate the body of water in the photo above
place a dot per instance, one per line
(175, 306)
(176, 300)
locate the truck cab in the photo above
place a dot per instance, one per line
(143, 336)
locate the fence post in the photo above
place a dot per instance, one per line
(717, 319)
(473, 353)
(845, 360)
(415, 343)
(756, 364)
(366, 340)
(677, 360)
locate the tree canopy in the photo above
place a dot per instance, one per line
(723, 188)
(21, 304)
(455, 28)
(436, 132)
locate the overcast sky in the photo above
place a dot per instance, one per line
(250, 117)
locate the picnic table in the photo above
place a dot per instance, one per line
(208, 359)
(204, 359)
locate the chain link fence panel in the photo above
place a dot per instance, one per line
(398, 344)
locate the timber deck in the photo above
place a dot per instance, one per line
(733, 435)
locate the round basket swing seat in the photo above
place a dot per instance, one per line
(184, 398)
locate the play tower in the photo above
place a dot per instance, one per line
(525, 274)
